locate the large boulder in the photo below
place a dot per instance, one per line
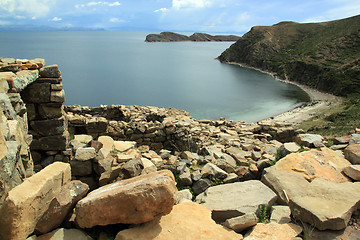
(186, 221)
(27, 203)
(131, 201)
(325, 204)
(236, 199)
(61, 205)
(324, 163)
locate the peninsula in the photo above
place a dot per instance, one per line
(196, 37)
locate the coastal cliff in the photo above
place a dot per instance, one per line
(196, 37)
(325, 56)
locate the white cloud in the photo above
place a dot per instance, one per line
(116, 20)
(91, 4)
(56, 19)
(36, 8)
(161, 10)
(177, 4)
(114, 4)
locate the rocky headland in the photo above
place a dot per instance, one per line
(196, 37)
(324, 56)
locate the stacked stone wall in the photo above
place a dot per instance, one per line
(44, 100)
(31, 99)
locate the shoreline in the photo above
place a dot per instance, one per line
(319, 103)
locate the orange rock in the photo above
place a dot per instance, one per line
(188, 220)
(274, 231)
(26, 203)
(324, 163)
(131, 201)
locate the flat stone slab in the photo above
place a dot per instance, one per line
(325, 204)
(274, 231)
(236, 199)
(186, 221)
(324, 163)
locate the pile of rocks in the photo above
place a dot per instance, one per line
(310, 186)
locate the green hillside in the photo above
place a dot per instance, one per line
(324, 55)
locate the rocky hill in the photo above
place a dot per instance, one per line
(323, 55)
(196, 37)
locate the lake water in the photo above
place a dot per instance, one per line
(120, 68)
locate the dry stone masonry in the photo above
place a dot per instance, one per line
(76, 172)
(31, 98)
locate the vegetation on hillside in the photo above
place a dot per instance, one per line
(325, 56)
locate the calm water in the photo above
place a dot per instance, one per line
(120, 68)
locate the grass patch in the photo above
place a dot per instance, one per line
(338, 121)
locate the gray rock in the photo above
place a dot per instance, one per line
(81, 168)
(211, 170)
(201, 185)
(183, 196)
(85, 154)
(354, 138)
(236, 199)
(239, 224)
(352, 153)
(325, 204)
(353, 172)
(308, 140)
(288, 148)
(64, 234)
(185, 178)
(51, 71)
(280, 214)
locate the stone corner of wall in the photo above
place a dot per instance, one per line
(31, 117)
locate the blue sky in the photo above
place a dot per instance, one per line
(217, 16)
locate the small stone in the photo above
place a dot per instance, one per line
(83, 138)
(280, 214)
(274, 231)
(183, 195)
(107, 142)
(211, 170)
(57, 96)
(122, 146)
(239, 224)
(201, 185)
(51, 71)
(85, 154)
(65, 234)
(352, 153)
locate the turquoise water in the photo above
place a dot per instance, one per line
(120, 68)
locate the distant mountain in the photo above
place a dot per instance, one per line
(323, 55)
(196, 37)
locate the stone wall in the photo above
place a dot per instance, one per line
(29, 92)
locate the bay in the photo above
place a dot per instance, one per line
(105, 68)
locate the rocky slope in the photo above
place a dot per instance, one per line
(196, 37)
(323, 55)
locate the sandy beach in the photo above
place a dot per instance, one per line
(320, 104)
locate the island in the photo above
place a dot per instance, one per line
(196, 37)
